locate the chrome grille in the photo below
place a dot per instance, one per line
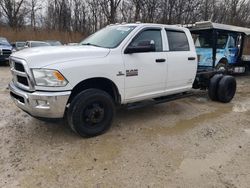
(19, 67)
(6, 52)
(21, 74)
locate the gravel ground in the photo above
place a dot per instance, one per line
(192, 142)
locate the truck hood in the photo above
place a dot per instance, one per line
(45, 56)
(5, 47)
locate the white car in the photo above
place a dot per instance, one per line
(32, 44)
(120, 65)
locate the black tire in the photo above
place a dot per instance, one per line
(213, 86)
(91, 113)
(247, 70)
(226, 89)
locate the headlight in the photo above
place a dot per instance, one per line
(48, 77)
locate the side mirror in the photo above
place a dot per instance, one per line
(142, 46)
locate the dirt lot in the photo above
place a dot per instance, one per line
(192, 142)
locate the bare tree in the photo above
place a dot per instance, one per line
(149, 10)
(126, 11)
(110, 9)
(90, 15)
(14, 11)
(59, 15)
(167, 11)
(94, 15)
(34, 6)
(138, 6)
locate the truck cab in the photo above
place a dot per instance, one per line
(227, 49)
(220, 46)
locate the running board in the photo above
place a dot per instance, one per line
(159, 100)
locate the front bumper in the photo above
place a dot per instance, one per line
(39, 103)
(4, 58)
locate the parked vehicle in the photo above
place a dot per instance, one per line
(5, 49)
(222, 46)
(73, 44)
(18, 45)
(140, 64)
(32, 44)
(53, 42)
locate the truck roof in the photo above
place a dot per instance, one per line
(149, 24)
(211, 25)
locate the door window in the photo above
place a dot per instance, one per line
(177, 41)
(222, 41)
(232, 42)
(151, 35)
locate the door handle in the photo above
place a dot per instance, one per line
(191, 58)
(160, 60)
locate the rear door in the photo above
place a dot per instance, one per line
(181, 61)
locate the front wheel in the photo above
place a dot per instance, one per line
(91, 112)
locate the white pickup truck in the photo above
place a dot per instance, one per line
(120, 65)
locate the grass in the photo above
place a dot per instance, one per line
(31, 34)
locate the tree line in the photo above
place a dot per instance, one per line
(87, 16)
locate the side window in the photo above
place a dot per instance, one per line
(177, 41)
(222, 41)
(232, 42)
(148, 36)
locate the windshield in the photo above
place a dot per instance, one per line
(4, 41)
(205, 41)
(109, 37)
(38, 44)
(20, 44)
(54, 43)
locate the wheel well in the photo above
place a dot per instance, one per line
(223, 61)
(97, 83)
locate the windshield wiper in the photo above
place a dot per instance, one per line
(90, 44)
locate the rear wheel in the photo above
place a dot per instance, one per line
(91, 112)
(247, 69)
(226, 89)
(213, 86)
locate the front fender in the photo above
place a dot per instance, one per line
(77, 71)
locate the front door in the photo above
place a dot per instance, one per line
(232, 50)
(145, 72)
